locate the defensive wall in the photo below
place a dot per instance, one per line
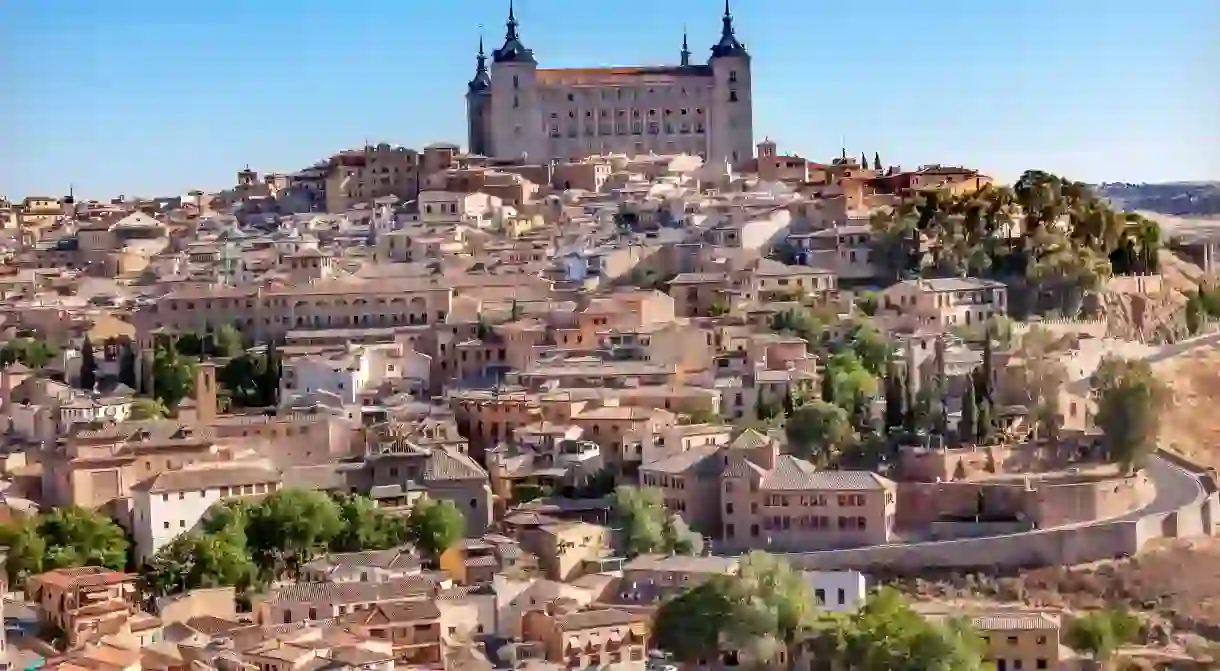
(1070, 544)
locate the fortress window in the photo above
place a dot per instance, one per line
(571, 97)
(732, 75)
(732, 96)
(516, 82)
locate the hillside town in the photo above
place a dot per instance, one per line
(628, 390)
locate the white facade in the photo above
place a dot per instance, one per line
(837, 591)
(85, 409)
(166, 506)
(358, 370)
(518, 110)
(447, 207)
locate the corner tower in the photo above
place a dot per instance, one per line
(516, 118)
(732, 109)
(478, 107)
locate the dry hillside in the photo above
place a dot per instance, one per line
(1153, 316)
(1192, 425)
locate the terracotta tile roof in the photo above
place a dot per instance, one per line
(209, 476)
(592, 619)
(387, 613)
(353, 592)
(794, 474)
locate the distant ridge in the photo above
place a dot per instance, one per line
(1183, 199)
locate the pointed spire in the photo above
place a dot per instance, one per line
(685, 49)
(512, 51)
(728, 44)
(512, 23)
(481, 81)
(726, 28)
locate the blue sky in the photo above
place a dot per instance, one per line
(151, 97)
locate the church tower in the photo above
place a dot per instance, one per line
(516, 117)
(478, 107)
(732, 107)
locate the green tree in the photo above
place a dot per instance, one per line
(189, 344)
(1194, 312)
(820, 432)
(75, 536)
(227, 342)
(705, 416)
(868, 302)
(984, 426)
(290, 528)
(1100, 633)
(144, 408)
(692, 625)
(524, 492)
(886, 633)
(193, 560)
(26, 549)
(876, 161)
(365, 526)
(827, 384)
(1130, 402)
(173, 377)
(243, 377)
(640, 513)
(966, 425)
(434, 526)
(127, 366)
(88, 365)
(850, 379)
(892, 385)
(871, 347)
(270, 379)
(29, 351)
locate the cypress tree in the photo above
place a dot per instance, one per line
(828, 386)
(876, 161)
(789, 404)
(908, 403)
(269, 385)
(88, 365)
(965, 427)
(985, 370)
(127, 366)
(893, 397)
(982, 426)
(863, 161)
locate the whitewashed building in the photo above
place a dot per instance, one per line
(176, 501)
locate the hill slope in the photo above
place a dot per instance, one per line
(1177, 198)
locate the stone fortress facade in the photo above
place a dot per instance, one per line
(516, 109)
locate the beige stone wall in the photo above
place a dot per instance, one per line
(1050, 547)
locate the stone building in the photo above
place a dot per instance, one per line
(516, 109)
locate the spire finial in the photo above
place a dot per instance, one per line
(727, 14)
(685, 49)
(511, 34)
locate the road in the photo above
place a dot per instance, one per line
(1175, 488)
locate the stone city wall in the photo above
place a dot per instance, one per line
(1061, 546)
